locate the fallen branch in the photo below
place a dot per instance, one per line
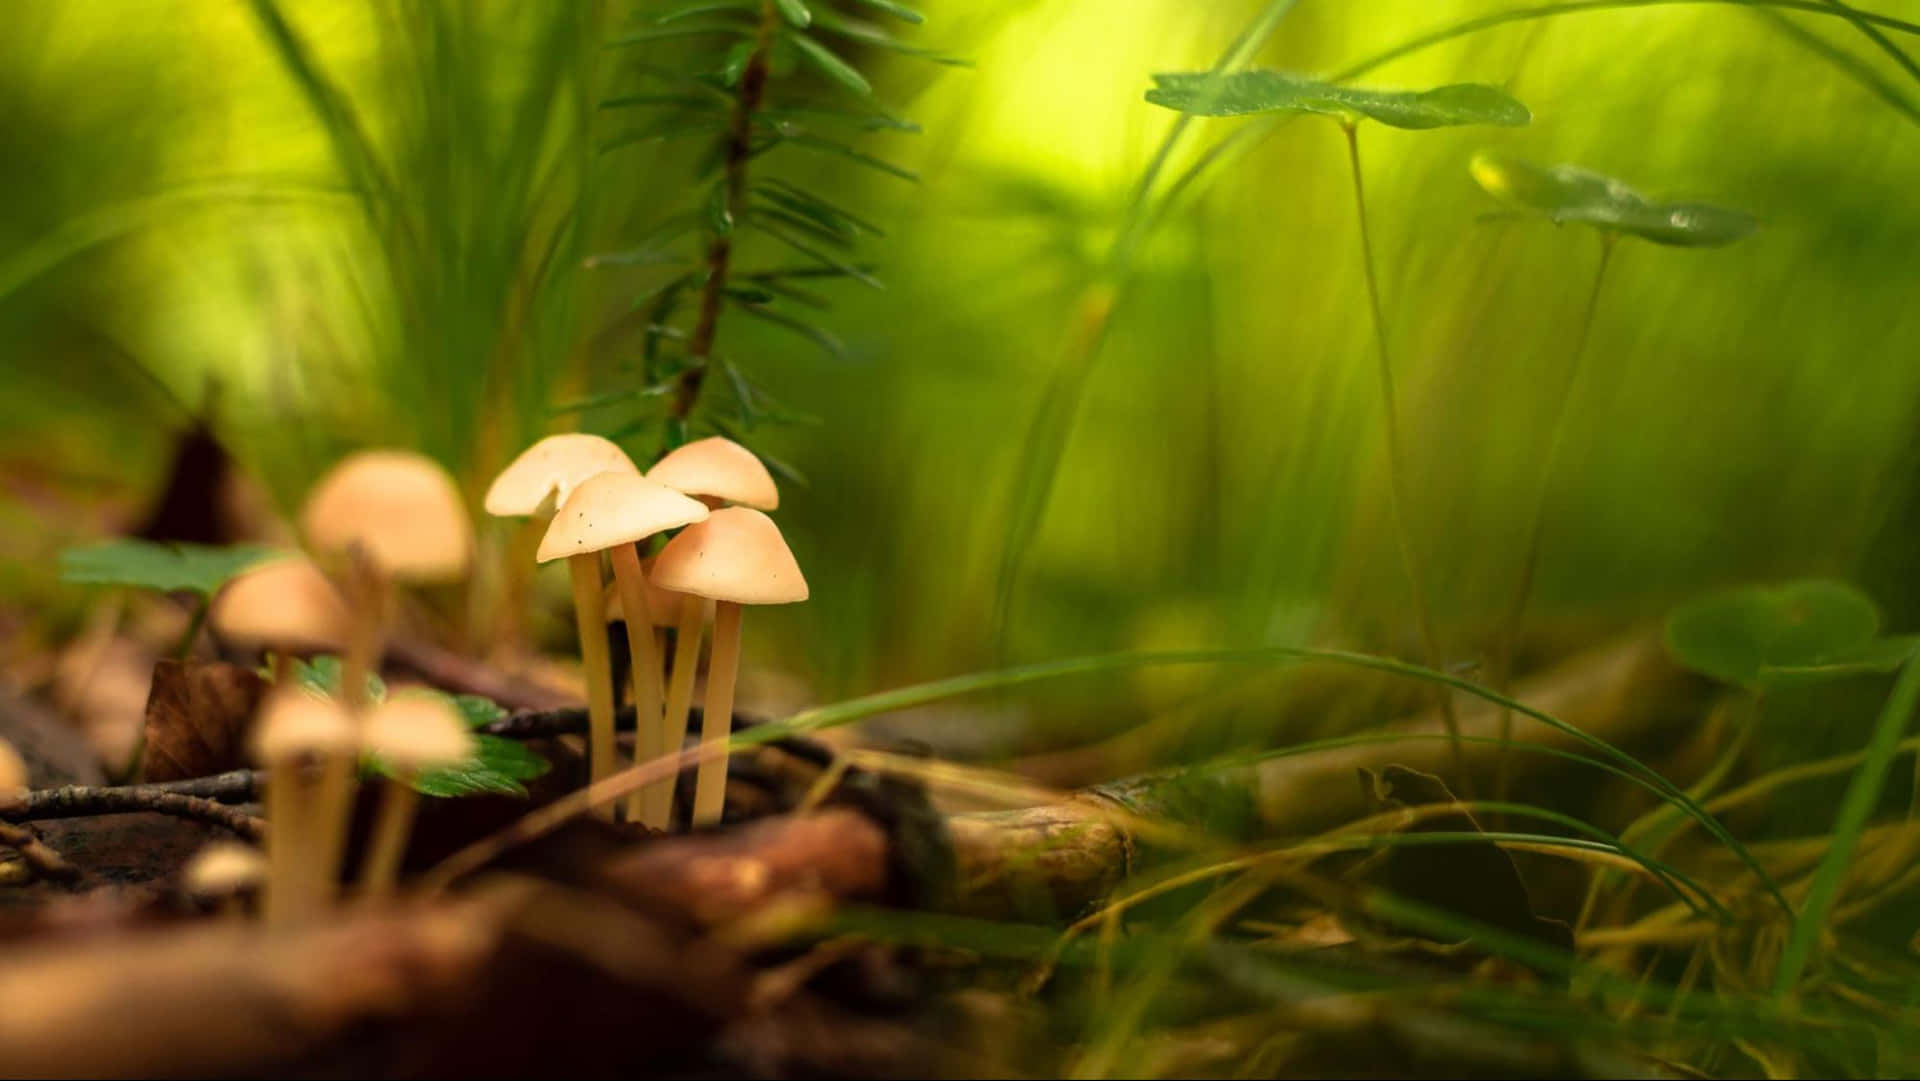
(43, 860)
(83, 801)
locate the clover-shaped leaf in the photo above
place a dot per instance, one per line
(1743, 636)
(164, 567)
(1569, 193)
(1240, 93)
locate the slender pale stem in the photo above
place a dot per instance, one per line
(1397, 472)
(686, 658)
(184, 648)
(332, 800)
(649, 733)
(286, 814)
(710, 784)
(390, 834)
(591, 614)
(1500, 665)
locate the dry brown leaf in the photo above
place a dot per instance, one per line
(197, 718)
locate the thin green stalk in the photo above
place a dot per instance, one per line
(1397, 471)
(184, 648)
(1500, 665)
(1855, 809)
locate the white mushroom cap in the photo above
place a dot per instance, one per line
(286, 604)
(295, 722)
(416, 732)
(736, 555)
(13, 771)
(719, 468)
(399, 506)
(553, 467)
(612, 509)
(225, 867)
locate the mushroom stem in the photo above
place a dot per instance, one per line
(390, 834)
(710, 784)
(591, 615)
(332, 807)
(649, 730)
(686, 658)
(285, 813)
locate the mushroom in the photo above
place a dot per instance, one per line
(224, 872)
(736, 557)
(687, 615)
(294, 726)
(718, 470)
(14, 776)
(395, 515)
(553, 468)
(411, 733)
(612, 512)
(287, 607)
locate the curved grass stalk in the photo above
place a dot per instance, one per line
(1397, 495)
(540, 822)
(1500, 666)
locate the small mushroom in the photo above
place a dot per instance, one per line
(14, 779)
(552, 469)
(718, 470)
(223, 873)
(736, 557)
(411, 733)
(286, 607)
(395, 516)
(295, 726)
(611, 512)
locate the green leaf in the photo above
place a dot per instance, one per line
(322, 675)
(1568, 193)
(1877, 658)
(749, 294)
(835, 146)
(804, 202)
(735, 65)
(897, 10)
(164, 567)
(667, 33)
(787, 118)
(830, 65)
(868, 34)
(795, 12)
(478, 711)
(827, 259)
(702, 7)
(829, 344)
(498, 768)
(719, 210)
(1735, 635)
(1240, 93)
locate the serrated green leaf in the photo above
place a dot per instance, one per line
(795, 12)
(1569, 193)
(165, 567)
(1737, 634)
(321, 674)
(897, 10)
(1240, 93)
(498, 768)
(478, 711)
(825, 61)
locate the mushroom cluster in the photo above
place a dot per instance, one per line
(726, 552)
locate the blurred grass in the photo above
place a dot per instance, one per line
(1748, 412)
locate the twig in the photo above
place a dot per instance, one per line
(753, 85)
(44, 861)
(546, 723)
(83, 801)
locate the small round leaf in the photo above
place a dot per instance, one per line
(1737, 635)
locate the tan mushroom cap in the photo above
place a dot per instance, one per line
(612, 509)
(287, 604)
(400, 506)
(553, 467)
(295, 722)
(13, 771)
(736, 555)
(225, 867)
(719, 468)
(419, 732)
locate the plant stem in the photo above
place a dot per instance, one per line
(752, 91)
(649, 731)
(591, 615)
(686, 657)
(184, 648)
(1500, 665)
(1396, 469)
(716, 727)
